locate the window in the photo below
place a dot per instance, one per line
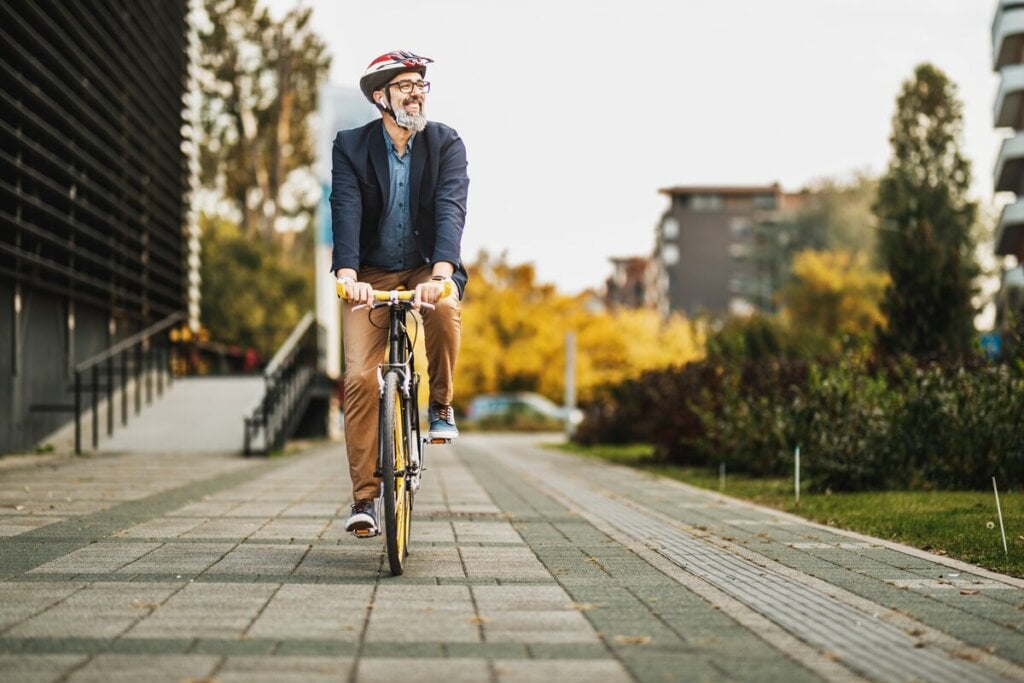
(670, 254)
(740, 226)
(670, 228)
(706, 202)
(764, 201)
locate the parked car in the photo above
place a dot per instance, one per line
(519, 410)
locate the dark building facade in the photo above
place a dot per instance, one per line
(709, 247)
(92, 186)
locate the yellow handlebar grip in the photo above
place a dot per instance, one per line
(404, 295)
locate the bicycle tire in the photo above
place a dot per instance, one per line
(393, 459)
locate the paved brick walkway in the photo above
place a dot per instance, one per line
(527, 565)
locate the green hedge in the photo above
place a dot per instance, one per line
(860, 425)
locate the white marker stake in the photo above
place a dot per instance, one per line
(1002, 529)
(796, 478)
(721, 476)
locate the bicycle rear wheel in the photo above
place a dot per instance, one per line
(394, 462)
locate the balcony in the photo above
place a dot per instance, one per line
(1008, 35)
(1008, 109)
(1010, 233)
(1009, 170)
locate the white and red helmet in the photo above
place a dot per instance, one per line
(387, 66)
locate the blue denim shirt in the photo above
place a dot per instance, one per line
(397, 249)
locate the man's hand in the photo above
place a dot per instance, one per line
(355, 292)
(429, 292)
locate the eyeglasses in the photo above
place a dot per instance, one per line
(407, 86)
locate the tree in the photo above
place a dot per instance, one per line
(513, 336)
(925, 239)
(835, 214)
(834, 295)
(260, 83)
(252, 296)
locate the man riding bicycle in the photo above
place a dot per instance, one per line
(398, 208)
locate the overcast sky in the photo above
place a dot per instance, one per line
(575, 112)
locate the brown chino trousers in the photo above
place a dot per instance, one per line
(365, 339)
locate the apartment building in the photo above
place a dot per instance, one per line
(1008, 114)
(715, 247)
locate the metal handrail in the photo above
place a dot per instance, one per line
(131, 341)
(289, 345)
(143, 356)
(288, 381)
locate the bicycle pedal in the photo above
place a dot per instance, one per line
(366, 533)
(438, 442)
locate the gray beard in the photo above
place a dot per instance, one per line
(413, 122)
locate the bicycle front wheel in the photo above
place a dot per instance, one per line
(394, 461)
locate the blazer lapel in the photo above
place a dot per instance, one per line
(420, 152)
(379, 160)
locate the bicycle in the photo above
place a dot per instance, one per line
(400, 449)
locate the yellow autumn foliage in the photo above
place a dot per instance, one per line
(834, 294)
(514, 335)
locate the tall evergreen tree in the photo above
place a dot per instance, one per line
(925, 239)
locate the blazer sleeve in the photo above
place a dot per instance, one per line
(451, 196)
(346, 209)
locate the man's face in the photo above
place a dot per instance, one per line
(411, 102)
(408, 92)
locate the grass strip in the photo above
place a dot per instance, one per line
(961, 524)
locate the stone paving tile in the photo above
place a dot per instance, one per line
(186, 559)
(432, 532)
(501, 563)
(37, 668)
(18, 601)
(525, 671)
(310, 611)
(375, 670)
(98, 557)
(260, 559)
(330, 563)
(486, 532)
(434, 562)
(12, 525)
(101, 610)
(206, 509)
(227, 528)
(283, 528)
(152, 669)
(319, 509)
(260, 509)
(513, 598)
(206, 611)
(164, 527)
(285, 670)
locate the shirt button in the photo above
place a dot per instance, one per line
(416, 232)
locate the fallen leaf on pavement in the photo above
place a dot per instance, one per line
(968, 591)
(632, 640)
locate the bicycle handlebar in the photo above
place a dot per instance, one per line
(394, 294)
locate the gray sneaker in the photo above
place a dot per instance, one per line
(442, 422)
(363, 520)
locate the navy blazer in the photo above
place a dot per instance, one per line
(438, 187)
